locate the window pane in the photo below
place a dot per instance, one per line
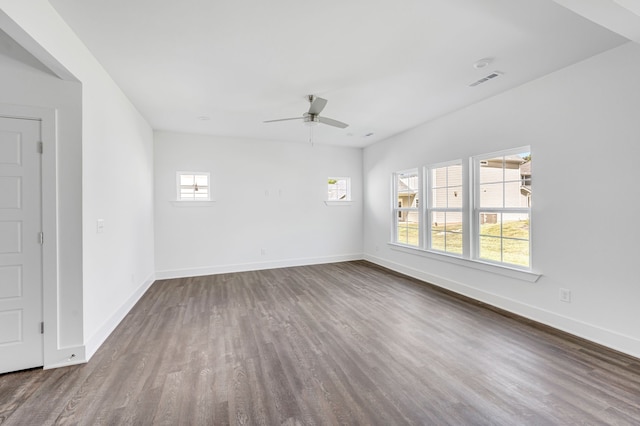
(403, 234)
(407, 227)
(515, 225)
(437, 239)
(491, 170)
(202, 180)
(438, 177)
(490, 248)
(338, 189)
(454, 195)
(491, 195)
(454, 176)
(515, 195)
(446, 232)
(515, 252)
(407, 183)
(453, 221)
(186, 180)
(437, 219)
(490, 224)
(193, 186)
(439, 198)
(454, 242)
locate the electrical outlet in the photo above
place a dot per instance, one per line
(263, 252)
(565, 295)
(100, 226)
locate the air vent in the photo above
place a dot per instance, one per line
(487, 78)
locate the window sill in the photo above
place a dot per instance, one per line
(338, 203)
(519, 274)
(209, 203)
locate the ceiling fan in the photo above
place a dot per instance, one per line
(312, 117)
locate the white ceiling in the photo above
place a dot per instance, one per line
(385, 66)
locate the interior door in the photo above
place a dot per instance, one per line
(21, 343)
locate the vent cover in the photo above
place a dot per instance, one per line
(487, 78)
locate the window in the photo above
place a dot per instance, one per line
(339, 189)
(444, 208)
(406, 188)
(477, 209)
(502, 208)
(193, 186)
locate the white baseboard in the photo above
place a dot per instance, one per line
(611, 339)
(94, 343)
(256, 266)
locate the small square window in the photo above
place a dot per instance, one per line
(339, 189)
(193, 186)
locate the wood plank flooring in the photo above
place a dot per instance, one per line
(346, 343)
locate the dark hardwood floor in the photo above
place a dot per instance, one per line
(346, 343)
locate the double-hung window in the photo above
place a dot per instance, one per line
(477, 209)
(444, 207)
(502, 208)
(406, 211)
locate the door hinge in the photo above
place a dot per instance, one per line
(40, 148)
(41, 238)
(42, 327)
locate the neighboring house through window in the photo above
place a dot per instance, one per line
(502, 207)
(444, 208)
(406, 187)
(479, 209)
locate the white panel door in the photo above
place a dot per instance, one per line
(21, 343)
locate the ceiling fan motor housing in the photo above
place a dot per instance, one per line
(311, 119)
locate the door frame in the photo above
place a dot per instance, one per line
(49, 185)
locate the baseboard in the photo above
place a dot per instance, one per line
(94, 343)
(611, 339)
(256, 266)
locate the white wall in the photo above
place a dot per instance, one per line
(268, 195)
(117, 174)
(582, 123)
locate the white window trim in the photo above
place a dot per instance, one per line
(178, 202)
(470, 207)
(499, 269)
(348, 199)
(339, 203)
(395, 209)
(474, 184)
(428, 210)
(192, 203)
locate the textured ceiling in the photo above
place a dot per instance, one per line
(384, 66)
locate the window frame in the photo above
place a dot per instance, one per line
(470, 210)
(347, 198)
(429, 210)
(477, 209)
(397, 210)
(179, 197)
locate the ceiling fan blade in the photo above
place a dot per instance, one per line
(317, 105)
(283, 119)
(332, 122)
